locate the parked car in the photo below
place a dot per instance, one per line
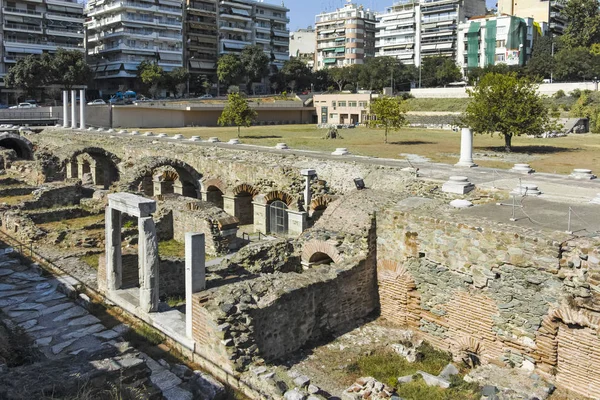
(206, 96)
(24, 105)
(96, 102)
(3, 106)
(143, 99)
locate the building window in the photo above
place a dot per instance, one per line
(499, 57)
(352, 104)
(342, 103)
(362, 104)
(333, 103)
(500, 43)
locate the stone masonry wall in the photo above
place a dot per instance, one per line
(502, 293)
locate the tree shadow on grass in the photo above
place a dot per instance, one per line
(260, 137)
(411, 142)
(528, 149)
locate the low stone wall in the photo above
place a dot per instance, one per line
(16, 191)
(498, 293)
(56, 194)
(44, 216)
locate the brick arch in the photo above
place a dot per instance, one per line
(321, 202)
(147, 166)
(245, 188)
(22, 147)
(93, 152)
(400, 301)
(313, 247)
(279, 195)
(214, 183)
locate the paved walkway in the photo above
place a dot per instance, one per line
(58, 326)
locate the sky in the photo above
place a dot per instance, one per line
(302, 12)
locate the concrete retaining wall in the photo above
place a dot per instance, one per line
(460, 92)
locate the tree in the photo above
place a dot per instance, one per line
(583, 29)
(541, 64)
(575, 64)
(509, 105)
(321, 80)
(296, 74)
(151, 75)
(439, 71)
(27, 75)
(337, 75)
(588, 106)
(237, 112)
(176, 80)
(230, 70)
(255, 63)
(389, 112)
(68, 68)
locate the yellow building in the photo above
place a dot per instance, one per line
(539, 10)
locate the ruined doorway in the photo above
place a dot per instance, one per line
(278, 217)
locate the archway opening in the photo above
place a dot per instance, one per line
(20, 147)
(244, 208)
(278, 217)
(320, 259)
(214, 195)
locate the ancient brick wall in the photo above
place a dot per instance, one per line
(188, 221)
(502, 294)
(56, 195)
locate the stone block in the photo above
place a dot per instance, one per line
(281, 146)
(458, 185)
(213, 140)
(294, 394)
(448, 371)
(131, 204)
(234, 141)
(458, 203)
(580, 173)
(340, 151)
(432, 380)
(523, 169)
(526, 189)
(405, 379)
(302, 381)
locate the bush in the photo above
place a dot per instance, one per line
(233, 89)
(576, 93)
(349, 86)
(566, 107)
(559, 94)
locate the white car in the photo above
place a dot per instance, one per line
(96, 102)
(24, 105)
(206, 96)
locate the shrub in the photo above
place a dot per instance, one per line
(559, 94)
(349, 86)
(233, 89)
(576, 93)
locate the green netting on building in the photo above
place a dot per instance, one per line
(473, 45)
(517, 35)
(490, 42)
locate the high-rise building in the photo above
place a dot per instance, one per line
(121, 34)
(548, 11)
(303, 44)
(36, 27)
(495, 40)
(345, 36)
(201, 37)
(398, 32)
(248, 22)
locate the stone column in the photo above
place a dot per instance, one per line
(148, 263)
(261, 217)
(114, 267)
(296, 222)
(82, 109)
(466, 149)
(65, 108)
(308, 175)
(229, 205)
(74, 109)
(195, 273)
(80, 171)
(71, 169)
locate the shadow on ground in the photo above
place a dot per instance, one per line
(261, 137)
(529, 149)
(412, 142)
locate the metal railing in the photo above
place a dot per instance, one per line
(11, 114)
(22, 11)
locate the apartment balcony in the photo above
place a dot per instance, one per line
(14, 59)
(234, 17)
(394, 43)
(201, 10)
(236, 5)
(556, 27)
(236, 29)
(278, 42)
(263, 39)
(21, 12)
(281, 32)
(399, 32)
(58, 31)
(269, 17)
(68, 17)
(558, 16)
(169, 10)
(71, 4)
(22, 28)
(35, 46)
(438, 9)
(557, 4)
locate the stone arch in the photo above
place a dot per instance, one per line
(213, 190)
(567, 336)
(279, 195)
(245, 189)
(320, 203)
(239, 203)
(141, 178)
(400, 301)
(22, 147)
(101, 164)
(317, 251)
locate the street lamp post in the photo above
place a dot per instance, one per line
(552, 66)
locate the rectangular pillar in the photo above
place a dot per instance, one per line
(229, 205)
(261, 217)
(71, 169)
(65, 108)
(195, 273)
(82, 109)
(296, 222)
(114, 267)
(73, 109)
(148, 263)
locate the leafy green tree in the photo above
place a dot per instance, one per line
(541, 64)
(237, 112)
(296, 74)
(176, 80)
(230, 70)
(255, 63)
(27, 75)
(321, 80)
(575, 64)
(68, 68)
(588, 106)
(337, 75)
(151, 75)
(439, 71)
(583, 29)
(389, 112)
(508, 105)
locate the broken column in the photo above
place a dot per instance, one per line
(73, 109)
(148, 264)
(526, 189)
(114, 267)
(466, 149)
(308, 175)
(523, 169)
(65, 108)
(580, 173)
(195, 273)
(82, 109)
(458, 185)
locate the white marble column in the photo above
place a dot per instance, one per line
(74, 109)
(65, 108)
(195, 273)
(82, 109)
(308, 175)
(466, 149)
(114, 267)
(148, 263)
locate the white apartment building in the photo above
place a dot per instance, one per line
(121, 34)
(411, 30)
(249, 22)
(36, 27)
(496, 40)
(303, 45)
(345, 36)
(398, 32)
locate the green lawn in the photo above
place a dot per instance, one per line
(556, 155)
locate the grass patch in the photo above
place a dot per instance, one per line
(171, 248)
(14, 200)
(91, 259)
(450, 105)
(74, 223)
(418, 390)
(175, 301)
(145, 333)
